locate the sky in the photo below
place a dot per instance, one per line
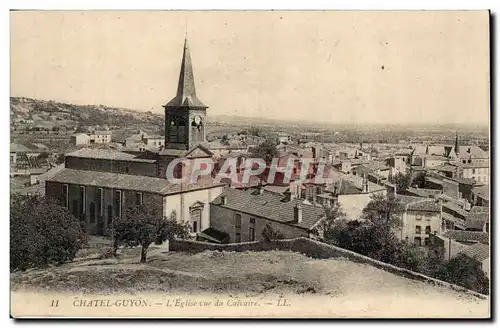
(330, 67)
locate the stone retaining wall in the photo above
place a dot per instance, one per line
(314, 249)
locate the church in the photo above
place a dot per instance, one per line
(98, 185)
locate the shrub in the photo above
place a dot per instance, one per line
(42, 233)
(465, 272)
(268, 233)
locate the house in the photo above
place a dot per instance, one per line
(375, 171)
(454, 216)
(348, 153)
(399, 161)
(349, 165)
(243, 214)
(152, 141)
(142, 141)
(458, 188)
(16, 150)
(420, 217)
(78, 139)
(448, 170)
(100, 137)
(284, 138)
(353, 193)
(432, 161)
(477, 171)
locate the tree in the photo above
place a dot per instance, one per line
(254, 131)
(410, 257)
(266, 150)
(366, 238)
(143, 225)
(42, 233)
(402, 182)
(466, 272)
(225, 140)
(332, 216)
(269, 233)
(384, 210)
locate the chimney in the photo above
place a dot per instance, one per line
(464, 207)
(335, 188)
(261, 190)
(297, 213)
(365, 183)
(223, 200)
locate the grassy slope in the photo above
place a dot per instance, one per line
(247, 272)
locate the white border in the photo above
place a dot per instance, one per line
(187, 4)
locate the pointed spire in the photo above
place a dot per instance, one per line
(457, 151)
(186, 92)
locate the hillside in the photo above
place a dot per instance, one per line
(252, 273)
(53, 114)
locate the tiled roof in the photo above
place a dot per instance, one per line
(474, 224)
(478, 251)
(128, 181)
(445, 168)
(18, 148)
(480, 209)
(471, 236)
(434, 180)
(473, 151)
(375, 166)
(96, 153)
(276, 189)
(214, 235)
(459, 223)
(424, 192)
(465, 181)
(440, 157)
(477, 221)
(427, 205)
(483, 191)
(456, 208)
(474, 165)
(351, 184)
(172, 152)
(269, 205)
(406, 200)
(105, 132)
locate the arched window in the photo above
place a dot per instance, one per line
(172, 130)
(197, 128)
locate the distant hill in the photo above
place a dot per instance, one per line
(47, 113)
(51, 113)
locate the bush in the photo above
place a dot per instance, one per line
(465, 272)
(42, 233)
(268, 233)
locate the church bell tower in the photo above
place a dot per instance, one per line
(185, 114)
